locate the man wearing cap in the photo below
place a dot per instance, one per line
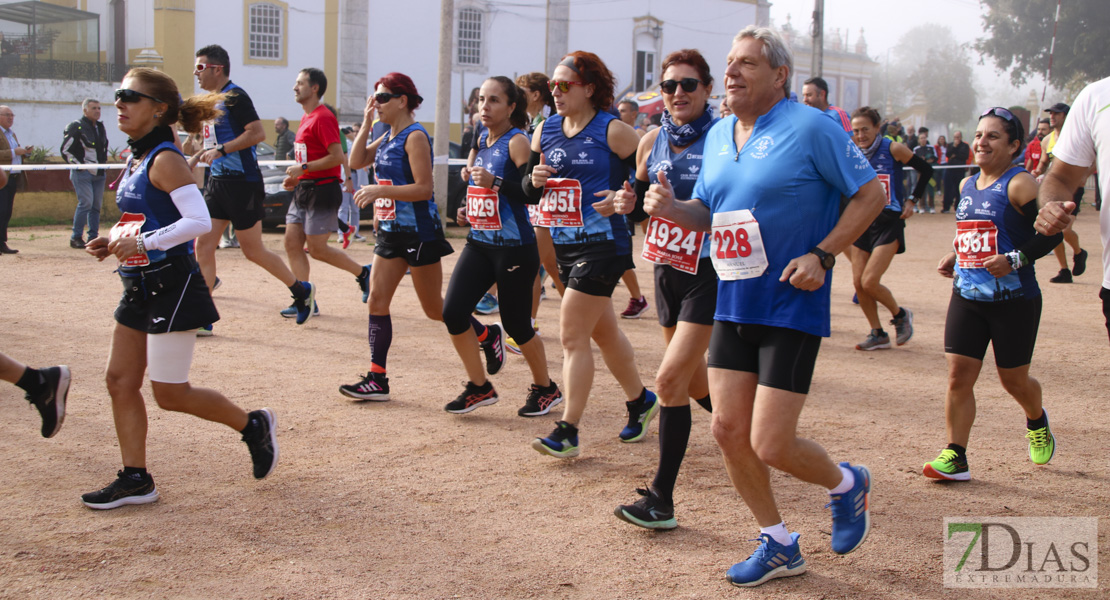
(1057, 113)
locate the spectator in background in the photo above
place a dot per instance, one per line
(1057, 114)
(86, 142)
(815, 93)
(725, 110)
(958, 153)
(11, 153)
(1033, 150)
(283, 145)
(629, 112)
(927, 153)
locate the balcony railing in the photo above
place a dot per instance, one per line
(66, 70)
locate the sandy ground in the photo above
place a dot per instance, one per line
(403, 500)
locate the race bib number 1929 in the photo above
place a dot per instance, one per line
(737, 246)
(483, 210)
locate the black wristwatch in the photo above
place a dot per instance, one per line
(497, 181)
(221, 149)
(827, 260)
(304, 167)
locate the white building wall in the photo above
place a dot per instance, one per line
(40, 123)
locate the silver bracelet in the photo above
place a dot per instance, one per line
(140, 246)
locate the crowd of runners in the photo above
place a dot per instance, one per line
(745, 215)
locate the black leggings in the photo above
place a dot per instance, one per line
(514, 271)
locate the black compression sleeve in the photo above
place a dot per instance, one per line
(1039, 245)
(924, 172)
(630, 162)
(511, 187)
(533, 194)
(638, 214)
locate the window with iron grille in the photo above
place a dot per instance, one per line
(469, 51)
(265, 31)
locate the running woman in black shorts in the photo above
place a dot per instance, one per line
(501, 249)
(410, 234)
(685, 282)
(580, 156)
(872, 252)
(995, 296)
(164, 298)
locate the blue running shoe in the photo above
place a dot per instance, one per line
(851, 512)
(770, 560)
(290, 311)
(487, 305)
(562, 443)
(305, 305)
(364, 282)
(640, 414)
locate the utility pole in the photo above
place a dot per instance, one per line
(817, 33)
(442, 143)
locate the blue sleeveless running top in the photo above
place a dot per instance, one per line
(136, 194)
(392, 165)
(243, 163)
(515, 230)
(890, 175)
(988, 224)
(682, 169)
(587, 158)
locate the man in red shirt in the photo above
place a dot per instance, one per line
(1033, 150)
(315, 181)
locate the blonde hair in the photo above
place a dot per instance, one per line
(190, 114)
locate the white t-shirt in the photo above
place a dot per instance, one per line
(1085, 139)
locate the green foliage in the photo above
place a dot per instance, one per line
(38, 155)
(1019, 35)
(114, 154)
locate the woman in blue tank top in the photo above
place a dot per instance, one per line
(995, 298)
(872, 253)
(410, 235)
(685, 282)
(501, 249)
(579, 158)
(164, 298)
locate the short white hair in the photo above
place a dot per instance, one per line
(85, 104)
(775, 50)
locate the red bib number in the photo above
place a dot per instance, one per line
(483, 208)
(885, 180)
(385, 209)
(668, 243)
(975, 242)
(561, 205)
(300, 153)
(737, 249)
(208, 135)
(534, 215)
(130, 225)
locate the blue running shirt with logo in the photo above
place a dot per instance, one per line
(890, 175)
(682, 169)
(392, 165)
(790, 174)
(239, 107)
(137, 195)
(988, 224)
(515, 230)
(587, 158)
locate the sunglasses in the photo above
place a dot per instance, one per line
(670, 86)
(200, 67)
(132, 96)
(383, 97)
(563, 86)
(1000, 112)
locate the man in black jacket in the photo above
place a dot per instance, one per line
(86, 142)
(958, 153)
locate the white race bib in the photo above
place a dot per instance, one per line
(208, 135)
(300, 153)
(385, 209)
(737, 246)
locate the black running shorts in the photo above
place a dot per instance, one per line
(236, 200)
(681, 296)
(783, 358)
(593, 269)
(391, 244)
(1010, 324)
(886, 228)
(169, 295)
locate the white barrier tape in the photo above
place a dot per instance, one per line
(440, 160)
(70, 167)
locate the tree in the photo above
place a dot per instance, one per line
(929, 61)
(1019, 35)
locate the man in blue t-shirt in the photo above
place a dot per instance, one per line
(769, 191)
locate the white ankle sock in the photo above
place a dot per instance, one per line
(846, 483)
(779, 533)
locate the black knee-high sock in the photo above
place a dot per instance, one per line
(674, 433)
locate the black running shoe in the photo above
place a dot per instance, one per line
(540, 400)
(494, 348)
(649, 512)
(1080, 263)
(1064, 276)
(262, 441)
(51, 401)
(472, 397)
(363, 279)
(373, 387)
(124, 490)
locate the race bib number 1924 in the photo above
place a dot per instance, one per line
(668, 243)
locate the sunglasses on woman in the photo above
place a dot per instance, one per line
(1000, 112)
(563, 86)
(670, 86)
(132, 96)
(383, 97)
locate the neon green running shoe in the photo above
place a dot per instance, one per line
(1042, 444)
(947, 466)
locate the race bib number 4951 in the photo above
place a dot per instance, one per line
(130, 225)
(483, 210)
(668, 243)
(975, 242)
(561, 205)
(737, 247)
(385, 209)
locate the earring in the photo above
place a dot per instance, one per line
(158, 115)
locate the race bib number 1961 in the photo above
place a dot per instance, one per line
(668, 243)
(483, 210)
(975, 242)
(737, 246)
(130, 225)
(385, 209)
(561, 205)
